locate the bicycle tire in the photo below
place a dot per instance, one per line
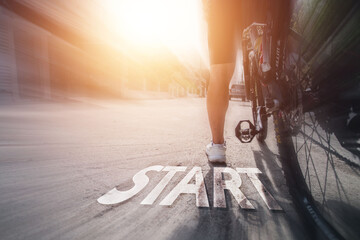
(317, 226)
(318, 162)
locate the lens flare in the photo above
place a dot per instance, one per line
(174, 23)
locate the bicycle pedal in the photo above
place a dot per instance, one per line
(245, 135)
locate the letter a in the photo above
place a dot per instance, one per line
(162, 184)
(184, 187)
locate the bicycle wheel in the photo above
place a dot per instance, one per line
(257, 100)
(318, 145)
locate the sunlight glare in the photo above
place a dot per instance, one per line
(174, 23)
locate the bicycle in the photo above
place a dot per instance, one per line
(292, 73)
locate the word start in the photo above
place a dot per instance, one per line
(140, 179)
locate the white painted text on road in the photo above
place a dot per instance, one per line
(233, 184)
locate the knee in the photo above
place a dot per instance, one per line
(220, 76)
(218, 87)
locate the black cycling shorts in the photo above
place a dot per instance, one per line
(226, 21)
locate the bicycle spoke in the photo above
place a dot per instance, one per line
(307, 172)
(314, 168)
(321, 137)
(338, 182)
(297, 150)
(327, 162)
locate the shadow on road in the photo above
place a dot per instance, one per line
(214, 223)
(265, 161)
(233, 222)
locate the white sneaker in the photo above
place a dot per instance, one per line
(216, 152)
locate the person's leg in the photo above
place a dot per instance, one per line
(218, 98)
(222, 50)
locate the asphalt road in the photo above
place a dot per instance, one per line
(57, 159)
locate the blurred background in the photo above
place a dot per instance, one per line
(115, 49)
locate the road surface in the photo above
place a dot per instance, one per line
(58, 159)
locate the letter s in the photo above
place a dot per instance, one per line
(140, 179)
